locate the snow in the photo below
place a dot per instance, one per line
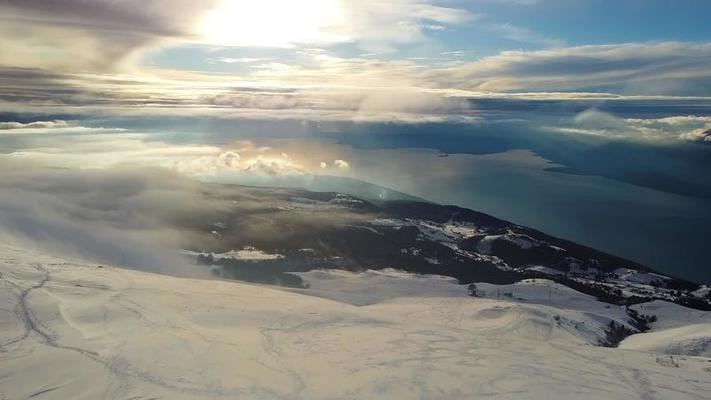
(413, 251)
(691, 340)
(461, 229)
(523, 241)
(678, 330)
(671, 315)
(75, 331)
(448, 233)
(642, 277)
(345, 199)
(703, 291)
(371, 286)
(248, 253)
(545, 270)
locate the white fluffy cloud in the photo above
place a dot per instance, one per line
(273, 166)
(45, 127)
(211, 163)
(690, 128)
(595, 122)
(34, 125)
(697, 135)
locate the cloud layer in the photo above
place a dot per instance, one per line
(120, 215)
(595, 122)
(73, 59)
(334, 88)
(94, 35)
(654, 69)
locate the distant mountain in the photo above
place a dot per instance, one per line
(322, 183)
(293, 230)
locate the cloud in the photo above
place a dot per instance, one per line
(111, 148)
(522, 35)
(326, 87)
(94, 35)
(411, 101)
(690, 128)
(271, 166)
(595, 122)
(400, 21)
(146, 16)
(670, 68)
(137, 217)
(207, 164)
(240, 160)
(120, 215)
(342, 164)
(335, 89)
(35, 124)
(90, 148)
(142, 217)
(698, 135)
(232, 60)
(367, 23)
(79, 57)
(515, 2)
(596, 119)
(50, 127)
(105, 35)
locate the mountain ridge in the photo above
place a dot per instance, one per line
(330, 230)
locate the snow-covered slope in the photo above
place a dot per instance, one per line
(693, 340)
(534, 307)
(671, 315)
(73, 331)
(678, 330)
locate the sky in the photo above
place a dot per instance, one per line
(585, 109)
(343, 60)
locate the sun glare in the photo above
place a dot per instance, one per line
(273, 23)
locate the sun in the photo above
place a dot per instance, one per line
(273, 23)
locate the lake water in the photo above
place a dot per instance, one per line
(665, 231)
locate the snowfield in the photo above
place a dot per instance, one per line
(246, 254)
(679, 330)
(76, 331)
(693, 340)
